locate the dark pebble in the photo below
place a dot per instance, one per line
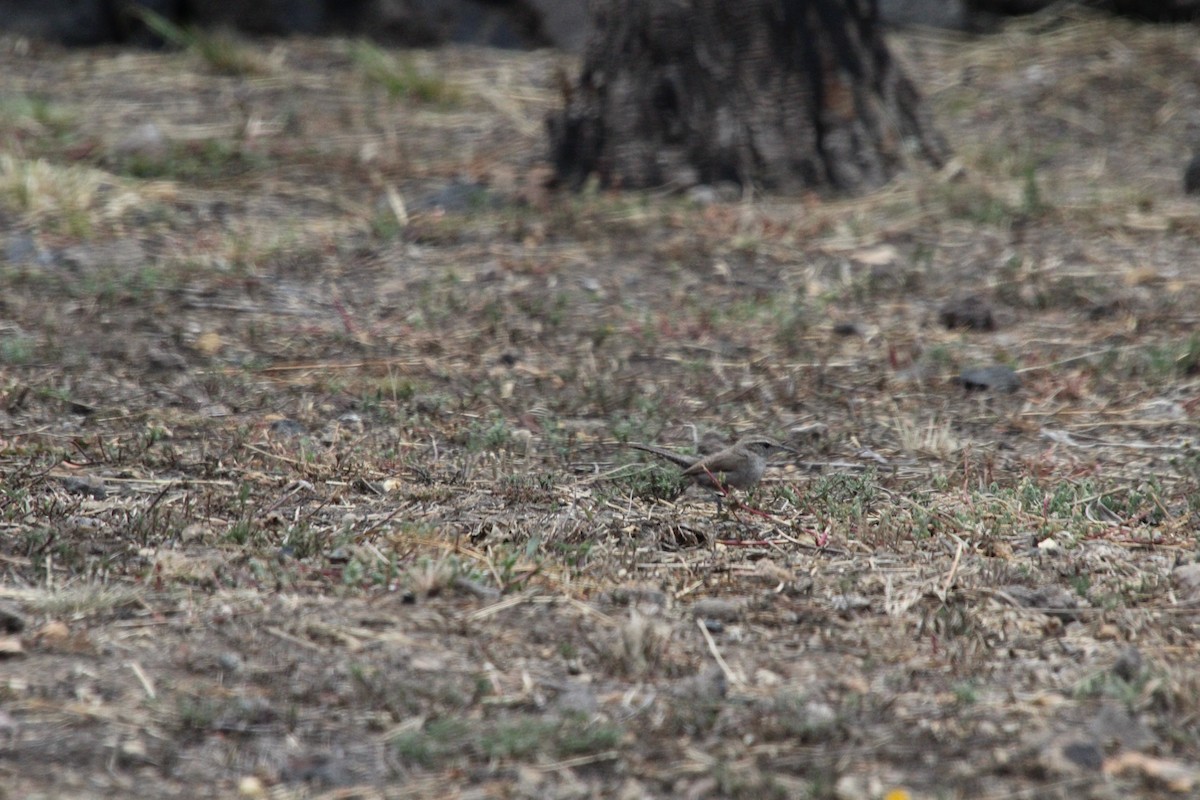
(1191, 176)
(92, 487)
(287, 427)
(997, 378)
(10, 620)
(970, 312)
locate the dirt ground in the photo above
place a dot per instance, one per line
(313, 412)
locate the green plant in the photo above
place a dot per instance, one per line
(520, 738)
(16, 351)
(400, 77)
(966, 693)
(240, 532)
(1032, 203)
(224, 53)
(492, 434)
(52, 121)
(199, 161)
(974, 202)
(195, 715)
(791, 331)
(650, 482)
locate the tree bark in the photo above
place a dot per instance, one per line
(776, 94)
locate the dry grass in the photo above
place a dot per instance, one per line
(357, 387)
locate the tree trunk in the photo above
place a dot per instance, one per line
(776, 94)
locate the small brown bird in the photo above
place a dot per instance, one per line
(740, 466)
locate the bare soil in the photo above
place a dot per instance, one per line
(313, 404)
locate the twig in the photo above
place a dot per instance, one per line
(287, 637)
(733, 679)
(950, 576)
(147, 684)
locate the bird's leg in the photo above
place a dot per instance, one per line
(735, 505)
(720, 487)
(722, 492)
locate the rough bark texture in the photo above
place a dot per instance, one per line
(779, 94)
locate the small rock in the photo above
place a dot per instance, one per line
(458, 196)
(807, 434)
(165, 360)
(818, 716)
(22, 248)
(482, 591)
(577, 697)
(1128, 666)
(716, 608)
(85, 484)
(638, 595)
(710, 686)
(287, 428)
(1069, 753)
(132, 752)
(351, 421)
(705, 194)
(1114, 725)
(867, 454)
(1103, 309)
(997, 378)
(369, 487)
(8, 726)
(251, 786)
(53, 631)
(1055, 601)
(208, 343)
(229, 661)
(1083, 754)
(11, 647)
(854, 786)
(145, 140)
(82, 409)
(320, 769)
(195, 532)
(970, 312)
(845, 603)
(429, 403)
(126, 252)
(702, 195)
(1187, 580)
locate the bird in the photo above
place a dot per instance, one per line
(739, 466)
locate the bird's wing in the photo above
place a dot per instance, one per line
(675, 458)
